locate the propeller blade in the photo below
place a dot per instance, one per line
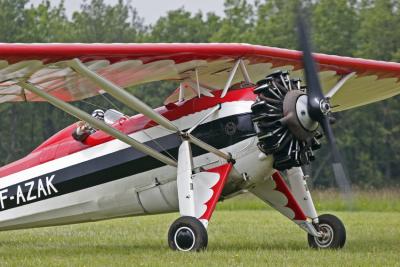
(337, 165)
(316, 98)
(314, 91)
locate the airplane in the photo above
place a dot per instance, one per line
(244, 118)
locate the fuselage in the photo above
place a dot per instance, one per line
(65, 181)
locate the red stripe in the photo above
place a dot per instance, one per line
(292, 204)
(179, 53)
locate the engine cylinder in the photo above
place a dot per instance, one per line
(280, 116)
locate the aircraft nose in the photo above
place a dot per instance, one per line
(284, 127)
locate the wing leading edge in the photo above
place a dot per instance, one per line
(47, 66)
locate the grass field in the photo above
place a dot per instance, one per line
(243, 232)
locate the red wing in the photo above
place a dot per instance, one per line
(130, 64)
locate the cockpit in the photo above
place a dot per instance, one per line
(84, 129)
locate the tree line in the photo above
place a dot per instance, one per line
(368, 136)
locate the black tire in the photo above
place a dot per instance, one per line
(187, 234)
(335, 233)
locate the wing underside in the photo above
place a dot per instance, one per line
(47, 66)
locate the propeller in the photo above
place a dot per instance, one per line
(319, 107)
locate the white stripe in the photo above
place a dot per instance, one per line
(227, 109)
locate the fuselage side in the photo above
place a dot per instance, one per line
(64, 181)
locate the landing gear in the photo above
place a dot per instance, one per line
(187, 234)
(334, 233)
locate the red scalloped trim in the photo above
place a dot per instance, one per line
(292, 204)
(223, 172)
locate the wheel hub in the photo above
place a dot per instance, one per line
(327, 236)
(184, 239)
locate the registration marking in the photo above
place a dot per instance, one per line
(26, 192)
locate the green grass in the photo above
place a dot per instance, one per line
(244, 237)
(361, 200)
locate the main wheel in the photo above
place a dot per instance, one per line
(334, 233)
(187, 234)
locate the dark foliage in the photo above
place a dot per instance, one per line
(366, 28)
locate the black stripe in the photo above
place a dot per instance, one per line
(220, 133)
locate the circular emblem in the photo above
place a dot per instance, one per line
(230, 128)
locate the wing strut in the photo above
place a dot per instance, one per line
(136, 104)
(212, 111)
(211, 149)
(197, 82)
(339, 85)
(76, 112)
(181, 93)
(244, 71)
(121, 95)
(238, 63)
